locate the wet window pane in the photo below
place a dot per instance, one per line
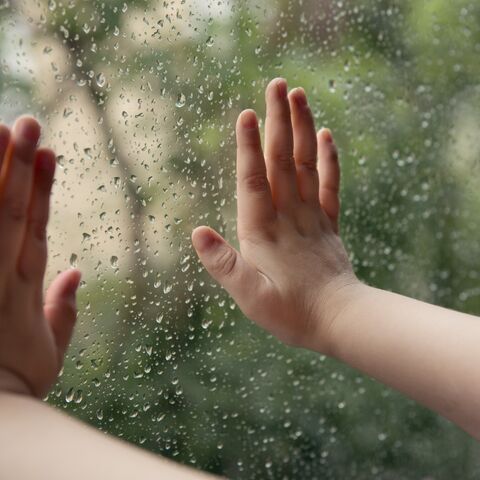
(139, 98)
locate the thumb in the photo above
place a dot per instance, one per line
(227, 266)
(60, 307)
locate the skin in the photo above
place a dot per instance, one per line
(292, 275)
(27, 322)
(289, 248)
(35, 332)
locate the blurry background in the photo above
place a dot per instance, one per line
(139, 99)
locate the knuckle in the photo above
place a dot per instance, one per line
(15, 209)
(329, 189)
(38, 228)
(224, 264)
(22, 153)
(280, 116)
(250, 140)
(256, 183)
(309, 165)
(284, 162)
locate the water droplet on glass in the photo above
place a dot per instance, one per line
(73, 260)
(101, 80)
(114, 261)
(206, 323)
(180, 100)
(167, 287)
(69, 395)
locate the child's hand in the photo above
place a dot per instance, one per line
(291, 274)
(33, 335)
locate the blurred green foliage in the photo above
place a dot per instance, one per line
(162, 357)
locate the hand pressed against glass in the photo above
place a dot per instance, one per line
(33, 333)
(291, 262)
(292, 275)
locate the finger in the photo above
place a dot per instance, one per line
(17, 175)
(254, 202)
(329, 173)
(227, 266)
(305, 146)
(279, 147)
(60, 308)
(4, 141)
(33, 257)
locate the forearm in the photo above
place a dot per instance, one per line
(429, 353)
(37, 442)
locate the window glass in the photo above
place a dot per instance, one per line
(139, 98)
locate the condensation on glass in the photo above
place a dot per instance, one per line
(139, 99)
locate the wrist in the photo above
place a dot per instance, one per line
(334, 301)
(10, 382)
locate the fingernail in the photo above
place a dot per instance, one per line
(300, 97)
(204, 242)
(327, 135)
(249, 120)
(282, 88)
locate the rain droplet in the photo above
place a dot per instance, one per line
(101, 80)
(181, 100)
(206, 323)
(114, 261)
(69, 395)
(73, 260)
(210, 42)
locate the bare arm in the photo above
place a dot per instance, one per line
(426, 352)
(41, 443)
(292, 275)
(37, 442)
